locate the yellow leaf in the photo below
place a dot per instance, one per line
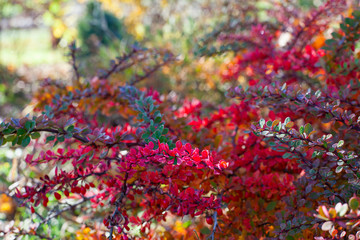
(319, 41)
(218, 141)
(332, 213)
(289, 125)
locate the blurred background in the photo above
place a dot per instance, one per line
(35, 34)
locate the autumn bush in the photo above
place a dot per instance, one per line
(277, 160)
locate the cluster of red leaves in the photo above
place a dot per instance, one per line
(271, 50)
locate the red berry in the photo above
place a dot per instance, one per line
(83, 190)
(57, 195)
(209, 220)
(45, 201)
(131, 197)
(127, 227)
(66, 192)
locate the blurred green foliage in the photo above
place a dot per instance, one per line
(12, 95)
(100, 28)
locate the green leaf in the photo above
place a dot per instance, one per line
(32, 174)
(145, 136)
(157, 134)
(61, 139)
(313, 195)
(340, 143)
(8, 131)
(350, 21)
(308, 128)
(92, 153)
(157, 113)
(29, 125)
(318, 93)
(213, 184)
(50, 138)
(82, 156)
(25, 141)
(269, 123)
(187, 224)
(205, 231)
(151, 107)
(301, 130)
(271, 206)
(339, 169)
(356, 14)
(165, 131)
(287, 155)
(14, 141)
(70, 128)
(272, 144)
(162, 139)
(158, 119)
(86, 131)
(330, 42)
(68, 135)
(21, 131)
(354, 203)
(35, 135)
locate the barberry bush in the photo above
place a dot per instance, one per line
(277, 160)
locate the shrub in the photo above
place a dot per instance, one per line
(98, 28)
(138, 160)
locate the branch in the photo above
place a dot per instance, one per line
(84, 199)
(73, 51)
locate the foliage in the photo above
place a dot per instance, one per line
(131, 162)
(99, 28)
(12, 94)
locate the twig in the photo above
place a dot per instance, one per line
(84, 199)
(118, 201)
(212, 236)
(197, 236)
(121, 60)
(139, 78)
(73, 51)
